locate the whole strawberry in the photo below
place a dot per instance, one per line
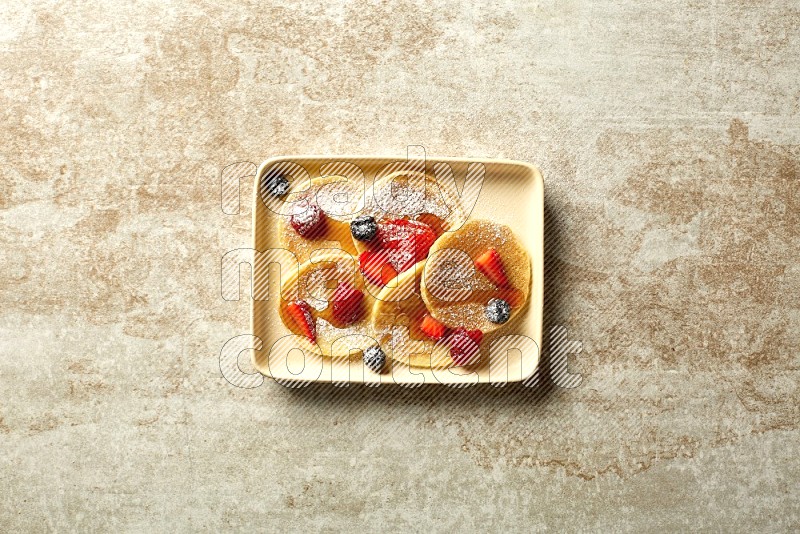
(307, 219)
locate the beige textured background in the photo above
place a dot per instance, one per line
(669, 137)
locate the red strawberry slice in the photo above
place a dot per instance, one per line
(388, 273)
(347, 303)
(300, 313)
(490, 264)
(407, 241)
(432, 328)
(375, 266)
(464, 345)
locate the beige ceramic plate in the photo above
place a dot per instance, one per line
(512, 193)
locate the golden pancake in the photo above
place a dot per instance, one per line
(395, 320)
(333, 232)
(315, 284)
(456, 293)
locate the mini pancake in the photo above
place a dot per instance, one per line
(335, 229)
(315, 284)
(401, 306)
(400, 195)
(456, 293)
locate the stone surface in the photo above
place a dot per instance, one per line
(669, 137)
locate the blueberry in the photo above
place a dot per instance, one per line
(276, 184)
(374, 359)
(364, 228)
(498, 311)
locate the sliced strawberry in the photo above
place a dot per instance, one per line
(464, 345)
(370, 263)
(388, 273)
(300, 313)
(432, 328)
(490, 264)
(407, 241)
(347, 303)
(375, 266)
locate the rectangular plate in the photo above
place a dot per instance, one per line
(512, 194)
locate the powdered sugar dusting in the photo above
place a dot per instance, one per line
(329, 332)
(498, 233)
(318, 285)
(340, 200)
(451, 275)
(341, 342)
(468, 315)
(410, 195)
